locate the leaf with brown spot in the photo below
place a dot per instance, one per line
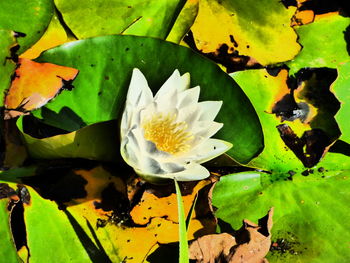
(8, 198)
(263, 32)
(304, 104)
(34, 85)
(250, 244)
(309, 148)
(118, 233)
(73, 183)
(152, 206)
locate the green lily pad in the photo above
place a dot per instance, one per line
(324, 44)
(134, 17)
(259, 29)
(60, 243)
(28, 17)
(8, 251)
(341, 89)
(7, 41)
(105, 65)
(95, 142)
(311, 218)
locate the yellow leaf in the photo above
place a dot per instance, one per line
(259, 29)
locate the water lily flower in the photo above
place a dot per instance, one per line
(168, 136)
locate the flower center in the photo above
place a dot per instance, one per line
(167, 134)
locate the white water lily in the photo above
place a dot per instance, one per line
(168, 136)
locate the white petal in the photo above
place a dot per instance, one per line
(206, 151)
(151, 150)
(167, 96)
(209, 110)
(130, 149)
(184, 82)
(125, 122)
(170, 86)
(139, 94)
(192, 172)
(150, 166)
(172, 167)
(188, 97)
(203, 130)
(189, 115)
(175, 83)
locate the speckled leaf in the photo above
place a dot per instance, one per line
(259, 29)
(324, 43)
(105, 65)
(134, 17)
(311, 219)
(28, 17)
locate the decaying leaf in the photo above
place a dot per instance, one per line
(35, 84)
(152, 205)
(154, 219)
(262, 32)
(250, 244)
(8, 192)
(309, 148)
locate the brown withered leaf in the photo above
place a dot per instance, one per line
(250, 244)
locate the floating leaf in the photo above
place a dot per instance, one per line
(41, 215)
(54, 35)
(8, 249)
(15, 153)
(151, 205)
(292, 130)
(7, 50)
(134, 17)
(311, 215)
(28, 17)
(184, 21)
(324, 43)
(95, 142)
(105, 65)
(276, 156)
(342, 91)
(35, 84)
(262, 32)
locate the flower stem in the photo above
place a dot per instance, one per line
(183, 258)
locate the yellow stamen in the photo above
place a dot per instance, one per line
(167, 134)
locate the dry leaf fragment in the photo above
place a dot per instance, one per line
(211, 248)
(250, 244)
